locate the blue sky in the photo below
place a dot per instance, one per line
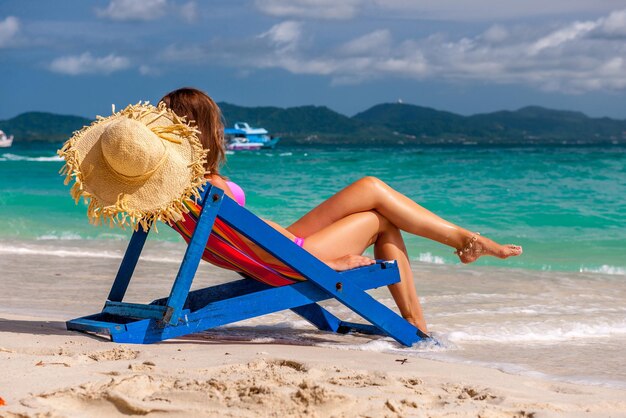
(78, 57)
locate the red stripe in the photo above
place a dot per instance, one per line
(226, 248)
(238, 242)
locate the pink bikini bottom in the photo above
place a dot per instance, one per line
(299, 241)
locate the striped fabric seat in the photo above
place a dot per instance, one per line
(228, 249)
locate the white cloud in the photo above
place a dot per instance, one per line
(285, 35)
(561, 36)
(366, 44)
(444, 10)
(485, 10)
(189, 12)
(149, 71)
(133, 10)
(496, 34)
(9, 27)
(572, 57)
(614, 24)
(88, 64)
(315, 9)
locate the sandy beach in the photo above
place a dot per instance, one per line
(51, 372)
(484, 120)
(236, 371)
(48, 371)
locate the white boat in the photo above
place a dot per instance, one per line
(5, 142)
(242, 143)
(243, 136)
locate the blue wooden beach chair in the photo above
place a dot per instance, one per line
(184, 312)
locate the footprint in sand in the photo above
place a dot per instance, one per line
(411, 382)
(568, 391)
(230, 394)
(117, 353)
(471, 393)
(146, 366)
(299, 367)
(476, 394)
(359, 380)
(310, 394)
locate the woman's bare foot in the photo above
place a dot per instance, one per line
(477, 246)
(348, 262)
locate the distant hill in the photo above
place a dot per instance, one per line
(541, 124)
(389, 123)
(41, 126)
(532, 124)
(317, 124)
(413, 120)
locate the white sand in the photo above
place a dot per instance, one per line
(48, 371)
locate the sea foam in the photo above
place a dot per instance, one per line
(605, 269)
(15, 157)
(77, 253)
(430, 258)
(539, 333)
(65, 236)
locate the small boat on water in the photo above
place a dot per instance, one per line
(244, 137)
(5, 142)
(242, 144)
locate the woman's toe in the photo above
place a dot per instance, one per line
(513, 250)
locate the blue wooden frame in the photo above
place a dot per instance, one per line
(184, 312)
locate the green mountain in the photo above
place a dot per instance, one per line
(389, 123)
(540, 124)
(413, 120)
(41, 126)
(531, 124)
(317, 124)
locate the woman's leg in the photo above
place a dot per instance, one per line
(352, 235)
(370, 193)
(390, 246)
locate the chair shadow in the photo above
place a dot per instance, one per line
(260, 335)
(43, 327)
(40, 327)
(257, 335)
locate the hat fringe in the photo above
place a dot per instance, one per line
(119, 214)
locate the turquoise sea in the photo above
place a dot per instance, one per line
(566, 206)
(558, 311)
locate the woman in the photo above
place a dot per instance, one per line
(367, 212)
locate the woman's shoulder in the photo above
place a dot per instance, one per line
(218, 181)
(230, 188)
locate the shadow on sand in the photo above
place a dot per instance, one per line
(33, 327)
(228, 335)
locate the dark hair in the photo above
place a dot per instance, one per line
(198, 107)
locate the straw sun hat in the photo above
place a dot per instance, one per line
(136, 166)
